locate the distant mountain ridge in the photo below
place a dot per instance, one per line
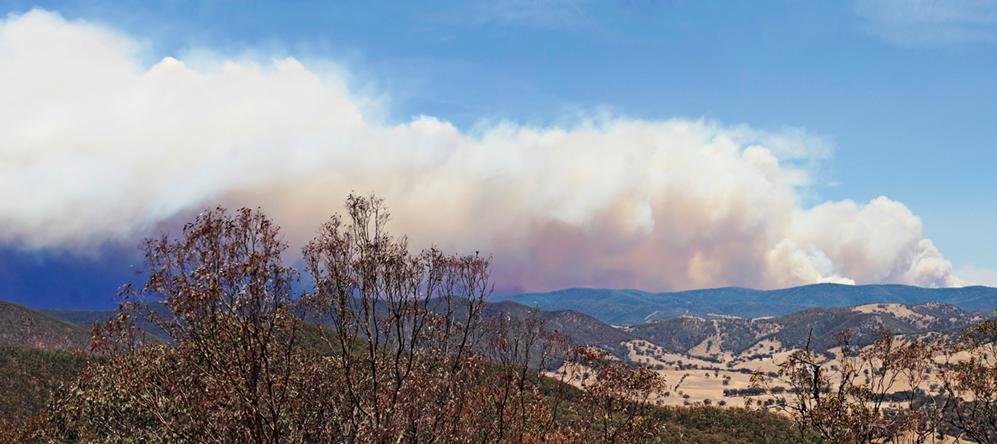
(702, 322)
(717, 338)
(636, 307)
(581, 328)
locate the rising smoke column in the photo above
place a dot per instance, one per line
(97, 146)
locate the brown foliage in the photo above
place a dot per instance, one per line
(896, 390)
(233, 372)
(401, 352)
(618, 395)
(405, 365)
(971, 384)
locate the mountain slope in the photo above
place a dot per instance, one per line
(89, 318)
(637, 307)
(819, 326)
(29, 376)
(710, 337)
(22, 326)
(725, 335)
(580, 328)
(577, 328)
(865, 323)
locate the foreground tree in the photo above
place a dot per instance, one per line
(388, 346)
(969, 384)
(618, 394)
(869, 395)
(230, 369)
(407, 335)
(896, 391)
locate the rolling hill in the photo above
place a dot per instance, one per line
(702, 357)
(581, 328)
(29, 376)
(88, 318)
(637, 307)
(735, 336)
(724, 320)
(22, 326)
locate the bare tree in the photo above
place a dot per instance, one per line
(229, 368)
(618, 394)
(403, 326)
(969, 383)
(518, 409)
(871, 395)
(386, 346)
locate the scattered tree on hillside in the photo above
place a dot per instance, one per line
(895, 390)
(619, 394)
(970, 384)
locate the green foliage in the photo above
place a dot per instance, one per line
(735, 423)
(29, 376)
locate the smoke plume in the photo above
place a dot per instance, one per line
(98, 146)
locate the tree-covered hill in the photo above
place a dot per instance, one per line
(637, 307)
(23, 326)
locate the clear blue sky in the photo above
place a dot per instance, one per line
(906, 90)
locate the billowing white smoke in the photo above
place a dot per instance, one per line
(95, 146)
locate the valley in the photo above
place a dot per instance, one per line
(711, 361)
(705, 360)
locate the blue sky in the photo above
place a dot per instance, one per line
(905, 91)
